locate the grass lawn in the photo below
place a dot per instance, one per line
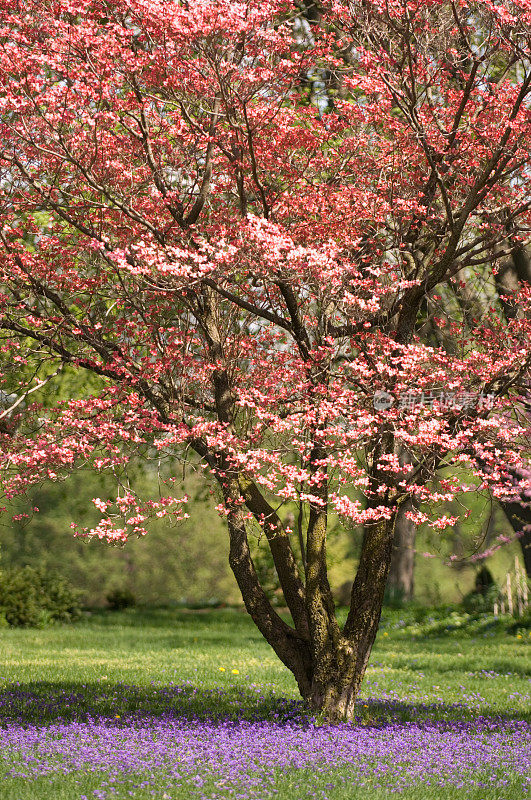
(174, 704)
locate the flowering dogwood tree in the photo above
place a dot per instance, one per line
(247, 272)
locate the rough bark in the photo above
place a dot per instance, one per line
(513, 272)
(326, 643)
(328, 663)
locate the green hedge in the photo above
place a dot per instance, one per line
(34, 598)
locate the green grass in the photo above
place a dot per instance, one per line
(120, 663)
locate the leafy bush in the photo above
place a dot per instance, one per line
(118, 599)
(36, 598)
(394, 597)
(482, 602)
(523, 624)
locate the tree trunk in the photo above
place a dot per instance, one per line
(520, 517)
(335, 688)
(328, 663)
(340, 658)
(514, 273)
(400, 584)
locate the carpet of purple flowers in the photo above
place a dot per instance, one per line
(169, 742)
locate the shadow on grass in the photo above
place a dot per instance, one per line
(44, 703)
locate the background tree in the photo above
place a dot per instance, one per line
(243, 273)
(515, 272)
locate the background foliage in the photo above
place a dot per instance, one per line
(187, 563)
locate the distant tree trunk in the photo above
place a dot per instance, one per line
(514, 272)
(519, 516)
(401, 580)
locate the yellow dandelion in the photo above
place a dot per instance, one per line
(117, 716)
(235, 671)
(222, 669)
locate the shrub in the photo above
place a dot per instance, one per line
(522, 625)
(33, 597)
(118, 599)
(481, 602)
(394, 597)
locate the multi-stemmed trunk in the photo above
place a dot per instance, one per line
(327, 661)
